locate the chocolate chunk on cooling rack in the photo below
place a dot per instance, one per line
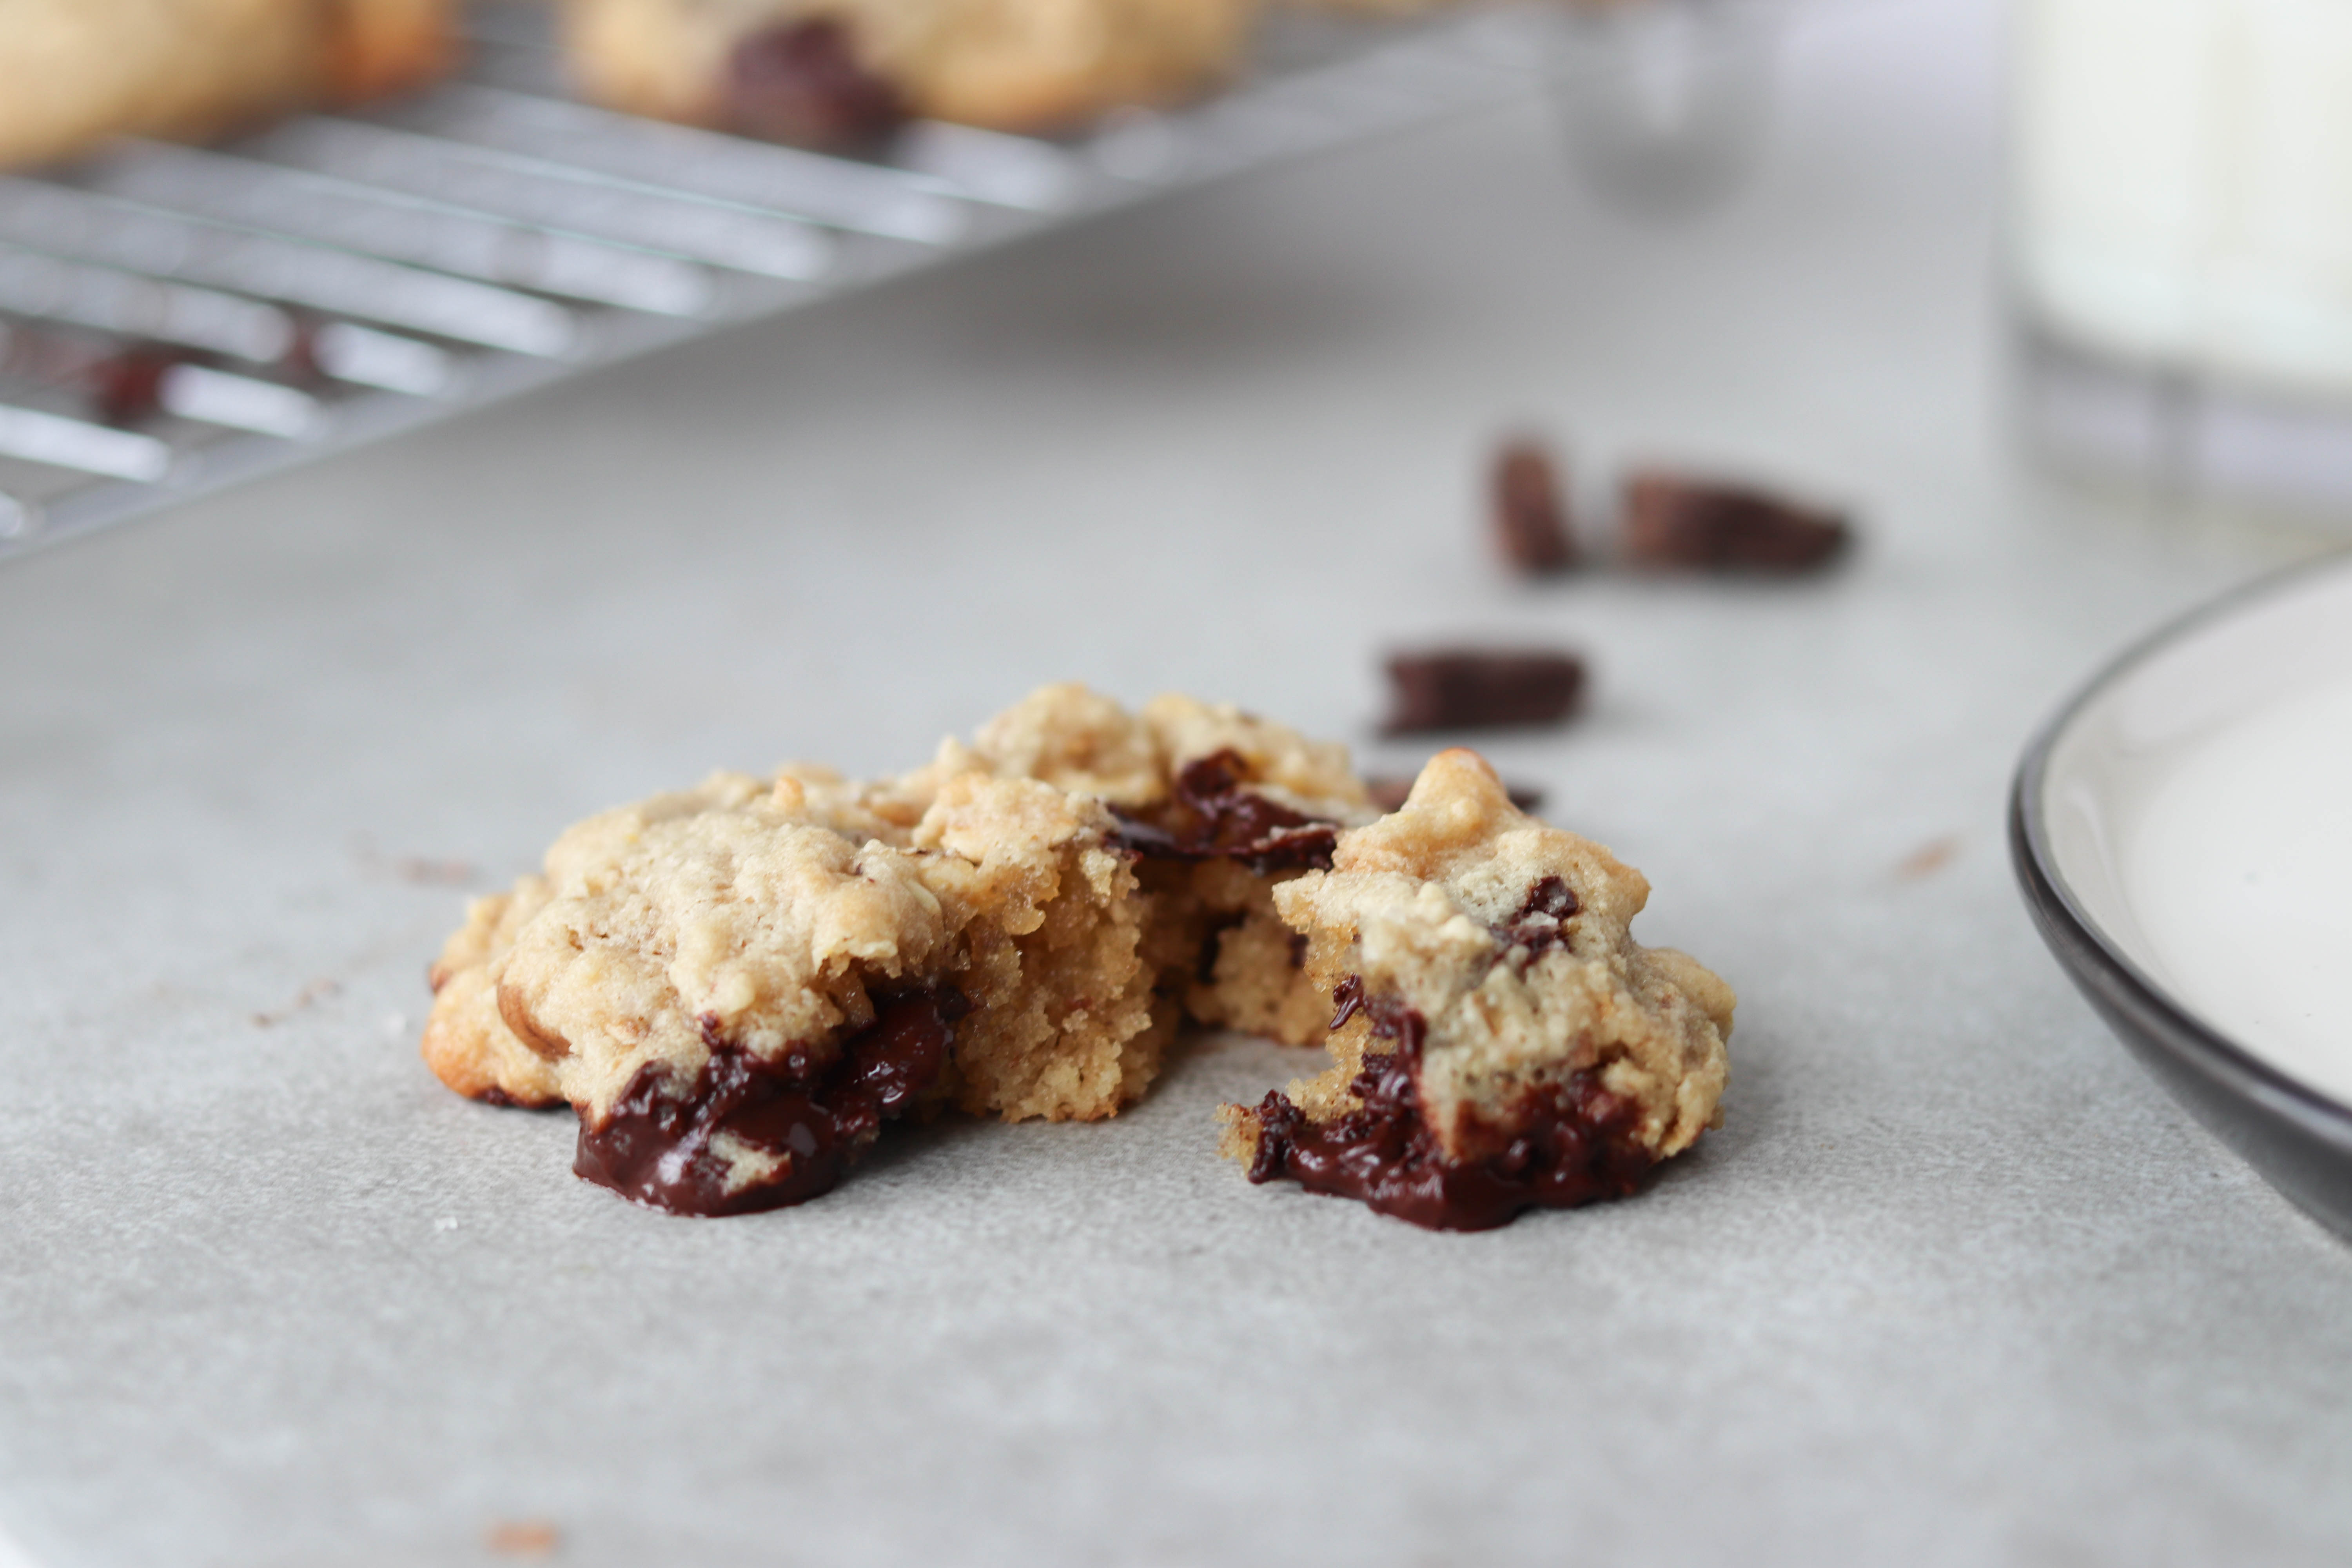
(1675, 521)
(1464, 688)
(1530, 515)
(803, 83)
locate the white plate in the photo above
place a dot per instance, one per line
(2184, 831)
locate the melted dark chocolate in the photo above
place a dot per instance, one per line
(1215, 817)
(803, 83)
(1567, 1143)
(655, 1148)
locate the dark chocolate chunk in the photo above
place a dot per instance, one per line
(1530, 518)
(1541, 921)
(1460, 688)
(1678, 522)
(1567, 1143)
(127, 387)
(1389, 792)
(1550, 897)
(1213, 816)
(1346, 1000)
(802, 83)
(655, 1148)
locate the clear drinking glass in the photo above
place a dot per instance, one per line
(2180, 243)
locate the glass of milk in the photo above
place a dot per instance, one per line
(2180, 241)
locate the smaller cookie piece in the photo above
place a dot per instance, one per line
(1499, 1040)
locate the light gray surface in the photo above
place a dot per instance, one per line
(1955, 1284)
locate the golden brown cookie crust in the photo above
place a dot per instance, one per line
(76, 72)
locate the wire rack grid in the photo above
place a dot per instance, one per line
(175, 319)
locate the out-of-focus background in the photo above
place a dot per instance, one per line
(501, 194)
(484, 455)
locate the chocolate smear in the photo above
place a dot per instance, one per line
(803, 83)
(1463, 689)
(655, 1149)
(1213, 816)
(1679, 523)
(1567, 1143)
(1530, 519)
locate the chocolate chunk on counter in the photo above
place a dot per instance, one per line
(1679, 522)
(802, 83)
(1461, 689)
(807, 1124)
(1530, 516)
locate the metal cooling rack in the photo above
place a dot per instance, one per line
(174, 319)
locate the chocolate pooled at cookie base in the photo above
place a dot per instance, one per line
(1500, 1042)
(737, 986)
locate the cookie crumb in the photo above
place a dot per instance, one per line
(1928, 858)
(1675, 521)
(1530, 516)
(1462, 689)
(426, 873)
(523, 1538)
(310, 995)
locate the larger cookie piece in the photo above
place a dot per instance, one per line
(736, 986)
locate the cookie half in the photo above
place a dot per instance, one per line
(1499, 1041)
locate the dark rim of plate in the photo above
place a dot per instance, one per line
(2097, 961)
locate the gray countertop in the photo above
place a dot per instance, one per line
(1955, 1283)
